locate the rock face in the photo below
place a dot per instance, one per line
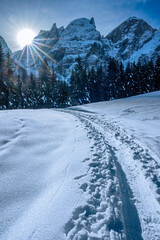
(60, 46)
(132, 40)
(149, 51)
(76, 40)
(4, 45)
(130, 36)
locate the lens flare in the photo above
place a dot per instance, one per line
(25, 37)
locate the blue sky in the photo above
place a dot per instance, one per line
(41, 14)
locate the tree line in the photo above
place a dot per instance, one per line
(113, 81)
(86, 85)
(28, 91)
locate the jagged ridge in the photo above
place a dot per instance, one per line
(132, 40)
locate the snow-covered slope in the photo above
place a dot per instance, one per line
(129, 37)
(149, 51)
(41, 154)
(90, 172)
(140, 114)
(131, 127)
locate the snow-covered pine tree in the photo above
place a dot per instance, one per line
(157, 75)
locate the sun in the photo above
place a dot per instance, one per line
(25, 37)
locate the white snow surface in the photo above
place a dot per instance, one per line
(88, 172)
(132, 126)
(41, 153)
(140, 115)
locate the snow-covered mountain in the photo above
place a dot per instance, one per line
(129, 37)
(149, 51)
(132, 40)
(4, 46)
(61, 46)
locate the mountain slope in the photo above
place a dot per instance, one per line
(132, 40)
(130, 36)
(149, 51)
(60, 46)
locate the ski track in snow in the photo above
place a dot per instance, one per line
(124, 187)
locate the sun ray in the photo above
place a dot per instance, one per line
(27, 60)
(37, 47)
(42, 44)
(40, 57)
(33, 58)
(45, 39)
(18, 63)
(48, 56)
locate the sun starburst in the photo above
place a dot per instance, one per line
(37, 47)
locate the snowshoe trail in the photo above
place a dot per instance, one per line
(120, 202)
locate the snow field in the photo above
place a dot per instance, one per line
(38, 167)
(86, 173)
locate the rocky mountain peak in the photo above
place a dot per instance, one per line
(132, 39)
(60, 30)
(54, 26)
(92, 22)
(130, 36)
(82, 22)
(132, 25)
(82, 29)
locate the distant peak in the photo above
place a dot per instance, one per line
(133, 18)
(61, 28)
(133, 25)
(82, 22)
(54, 26)
(92, 22)
(41, 32)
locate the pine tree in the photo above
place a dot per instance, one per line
(10, 97)
(73, 90)
(121, 93)
(4, 103)
(52, 87)
(44, 76)
(79, 84)
(84, 87)
(91, 82)
(150, 76)
(142, 79)
(33, 91)
(130, 86)
(156, 82)
(79, 80)
(62, 99)
(98, 85)
(19, 101)
(113, 78)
